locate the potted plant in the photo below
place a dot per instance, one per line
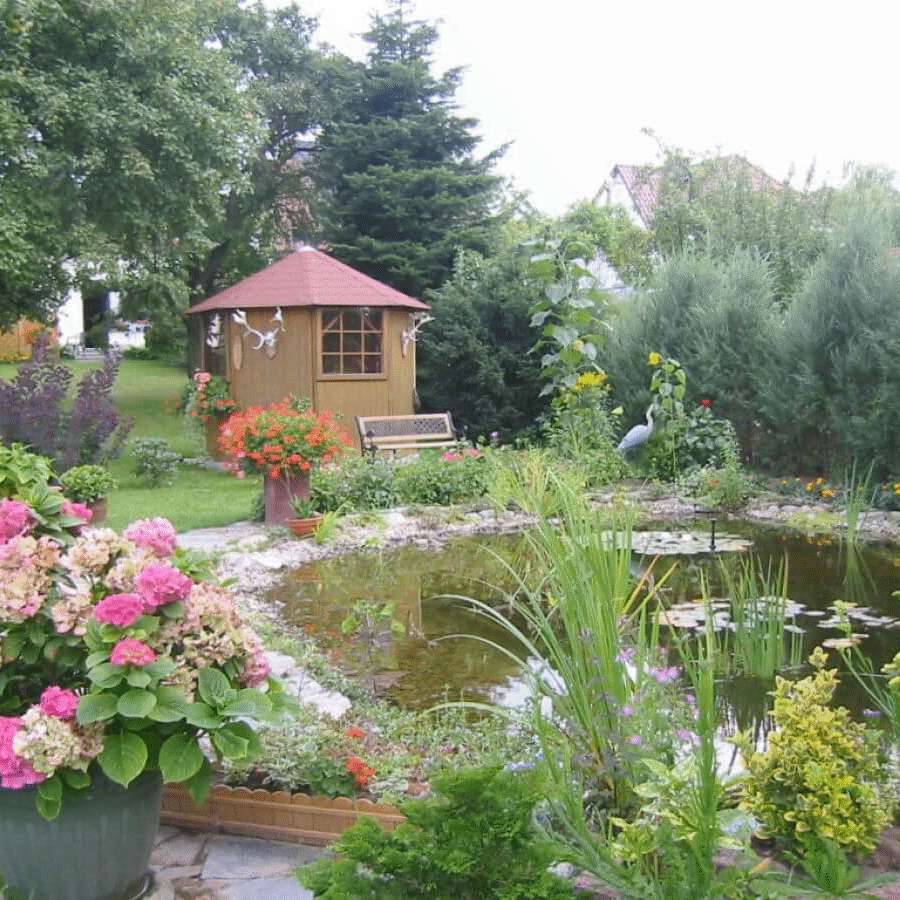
(121, 670)
(282, 441)
(307, 518)
(89, 485)
(207, 399)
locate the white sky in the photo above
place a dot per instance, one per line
(573, 82)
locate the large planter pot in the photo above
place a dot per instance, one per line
(97, 848)
(212, 426)
(279, 494)
(99, 510)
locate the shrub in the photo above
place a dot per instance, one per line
(154, 461)
(816, 777)
(86, 484)
(36, 409)
(475, 839)
(20, 470)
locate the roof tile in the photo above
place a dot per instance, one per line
(307, 277)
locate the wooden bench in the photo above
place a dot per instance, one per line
(417, 432)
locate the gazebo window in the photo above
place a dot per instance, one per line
(351, 342)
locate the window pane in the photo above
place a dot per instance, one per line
(352, 365)
(372, 320)
(331, 321)
(352, 343)
(331, 343)
(331, 364)
(372, 364)
(372, 343)
(352, 321)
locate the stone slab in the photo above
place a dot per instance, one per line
(234, 857)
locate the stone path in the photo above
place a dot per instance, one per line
(190, 865)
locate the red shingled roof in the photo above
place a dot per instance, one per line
(307, 277)
(642, 182)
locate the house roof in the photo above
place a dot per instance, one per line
(642, 182)
(307, 277)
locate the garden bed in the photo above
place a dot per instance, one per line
(273, 815)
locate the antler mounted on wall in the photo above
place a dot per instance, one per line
(417, 320)
(214, 332)
(267, 339)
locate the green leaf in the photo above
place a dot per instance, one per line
(96, 708)
(180, 758)
(160, 668)
(171, 705)
(231, 745)
(249, 703)
(136, 704)
(202, 716)
(123, 757)
(213, 686)
(49, 798)
(198, 786)
(173, 610)
(96, 658)
(106, 675)
(76, 779)
(138, 678)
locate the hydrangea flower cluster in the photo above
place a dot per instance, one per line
(119, 660)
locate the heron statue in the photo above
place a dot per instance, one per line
(640, 434)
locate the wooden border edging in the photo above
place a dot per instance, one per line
(273, 815)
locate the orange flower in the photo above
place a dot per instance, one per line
(355, 732)
(355, 765)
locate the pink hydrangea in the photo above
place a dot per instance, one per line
(119, 609)
(158, 534)
(256, 669)
(15, 519)
(77, 510)
(58, 702)
(15, 773)
(159, 584)
(131, 652)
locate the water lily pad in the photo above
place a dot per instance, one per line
(684, 543)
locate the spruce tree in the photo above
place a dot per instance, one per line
(401, 187)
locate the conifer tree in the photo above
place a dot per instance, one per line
(402, 189)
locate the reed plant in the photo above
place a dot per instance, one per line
(758, 642)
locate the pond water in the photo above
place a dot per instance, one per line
(422, 665)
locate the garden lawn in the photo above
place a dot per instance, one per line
(198, 497)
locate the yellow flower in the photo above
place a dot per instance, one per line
(827, 492)
(654, 359)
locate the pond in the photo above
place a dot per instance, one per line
(422, 665)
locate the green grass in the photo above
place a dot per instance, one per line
(198, 497)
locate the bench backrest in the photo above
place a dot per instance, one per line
(421, 428)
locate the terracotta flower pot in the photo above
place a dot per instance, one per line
(280, 494)
(99, 509)
(305, 527)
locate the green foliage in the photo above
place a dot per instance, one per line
(475, 838)
(429, 480)
(402, 189)
(154, 462)
(717, 318)
(722, 204)
(817, 778)
(85, 484)
(727, 487)
(582, 429)
(20, 470)
(475, 358)
(831, 394)
(120, 121)
(611, 229)
(571, 313)
(829, 874)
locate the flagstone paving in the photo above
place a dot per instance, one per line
(190, 865)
